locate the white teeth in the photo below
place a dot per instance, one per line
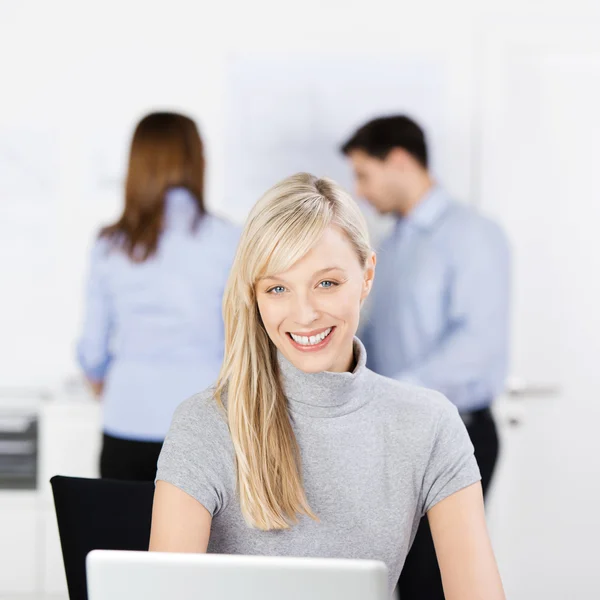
(312, 340)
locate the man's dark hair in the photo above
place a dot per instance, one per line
(379, 136)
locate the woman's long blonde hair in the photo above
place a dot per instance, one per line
(282, 227)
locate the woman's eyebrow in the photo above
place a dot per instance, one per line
(272, 278)
(316, 274)
(326, 269)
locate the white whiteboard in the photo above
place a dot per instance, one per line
(29, 196)
(286, 114)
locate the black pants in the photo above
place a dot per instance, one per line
(420, 578)
(128, 459)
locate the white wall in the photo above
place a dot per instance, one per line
(75, 77)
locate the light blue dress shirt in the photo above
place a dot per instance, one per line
(440, 303)
(153, 331)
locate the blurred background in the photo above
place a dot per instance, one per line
(508, 93)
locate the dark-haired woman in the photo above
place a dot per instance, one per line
(153, 330)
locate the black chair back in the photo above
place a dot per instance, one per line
(99, 514)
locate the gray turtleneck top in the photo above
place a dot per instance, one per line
(376, 455)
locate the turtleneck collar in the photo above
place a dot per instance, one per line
(325, 394)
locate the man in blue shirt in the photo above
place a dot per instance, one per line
(440, 301)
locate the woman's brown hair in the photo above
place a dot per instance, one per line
(166, 152)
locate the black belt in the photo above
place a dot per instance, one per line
(476, 416)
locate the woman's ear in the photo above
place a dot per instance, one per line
(369, 276)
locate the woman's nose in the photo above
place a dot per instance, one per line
(305, 311)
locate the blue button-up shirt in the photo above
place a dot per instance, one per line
(440, 303)
(153, 331)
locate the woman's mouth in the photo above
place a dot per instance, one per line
(311, 341)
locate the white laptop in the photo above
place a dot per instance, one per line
(121, 575)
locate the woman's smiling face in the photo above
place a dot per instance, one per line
(311, 311)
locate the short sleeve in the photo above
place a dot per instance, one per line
(452, 465)
(197, 454)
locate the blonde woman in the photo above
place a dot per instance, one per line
(299, 449)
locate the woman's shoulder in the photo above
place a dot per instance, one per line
(201, 410)
(103, 249)
(425, 420)
(220, 236)
(198, 456)
(221, 228)
(411, 403)
(199, 428)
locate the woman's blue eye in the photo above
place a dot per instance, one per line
(278, 289)
(327, 284)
